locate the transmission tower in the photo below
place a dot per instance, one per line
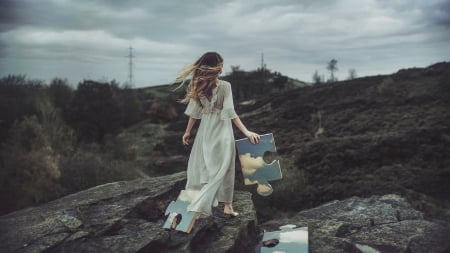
(130, 67)
(263, 65)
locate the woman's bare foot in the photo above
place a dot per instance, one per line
(228, 211)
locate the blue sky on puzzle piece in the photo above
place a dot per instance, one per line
(266, 143)
(290, 241)
(179, 207)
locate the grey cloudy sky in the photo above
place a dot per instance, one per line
(89, 39)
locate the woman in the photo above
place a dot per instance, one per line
(211, 162)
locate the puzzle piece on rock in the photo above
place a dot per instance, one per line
(254, 168)
(288, 239)
(178, 217)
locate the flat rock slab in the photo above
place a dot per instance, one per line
(124, 216)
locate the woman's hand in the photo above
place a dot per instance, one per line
(186, 137)
(253, 137)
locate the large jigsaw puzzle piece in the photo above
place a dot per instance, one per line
(255, 170)
(178, 217)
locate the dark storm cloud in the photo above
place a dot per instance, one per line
(122, 18)
(441, 14)
(297, 37)
(9, 17)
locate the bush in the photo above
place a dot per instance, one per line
(30, 167)
(130, 106)
(59, 134)
(86, 168)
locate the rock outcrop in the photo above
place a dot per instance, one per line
(128, 216)
(125, 216)
(377, 224)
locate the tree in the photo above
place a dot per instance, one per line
(280, 81)
(60, 93)
(18, 97)
(317, 79)
(351, 74)
(94, 111)
(235, 69)
(332, 67)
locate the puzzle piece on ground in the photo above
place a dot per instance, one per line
(287, 240)
(178, 217)
(254, 168)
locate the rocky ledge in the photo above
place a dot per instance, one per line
(379, 224)
(128, 217)
(125, 217)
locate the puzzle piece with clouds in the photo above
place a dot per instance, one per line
(254, 168)
(288, 239)
(178, 217)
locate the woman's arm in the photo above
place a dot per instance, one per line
(253, 137)
(187, 133)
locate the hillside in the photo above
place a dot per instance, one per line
(380, 134)
(371, 135)
(365, 167)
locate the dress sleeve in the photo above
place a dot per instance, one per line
(193, 109)
(228, 111)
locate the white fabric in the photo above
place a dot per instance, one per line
(211, 162)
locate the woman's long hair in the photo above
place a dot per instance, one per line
(206, 71)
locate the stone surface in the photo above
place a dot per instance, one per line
(125, 217)
(376, 224)
(128, 217)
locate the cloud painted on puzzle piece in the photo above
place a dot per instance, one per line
(251, 164)
(264, 189)
(255, 169)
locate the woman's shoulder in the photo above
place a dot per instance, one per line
(224, 83)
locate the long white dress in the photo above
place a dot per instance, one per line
(211, 165)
